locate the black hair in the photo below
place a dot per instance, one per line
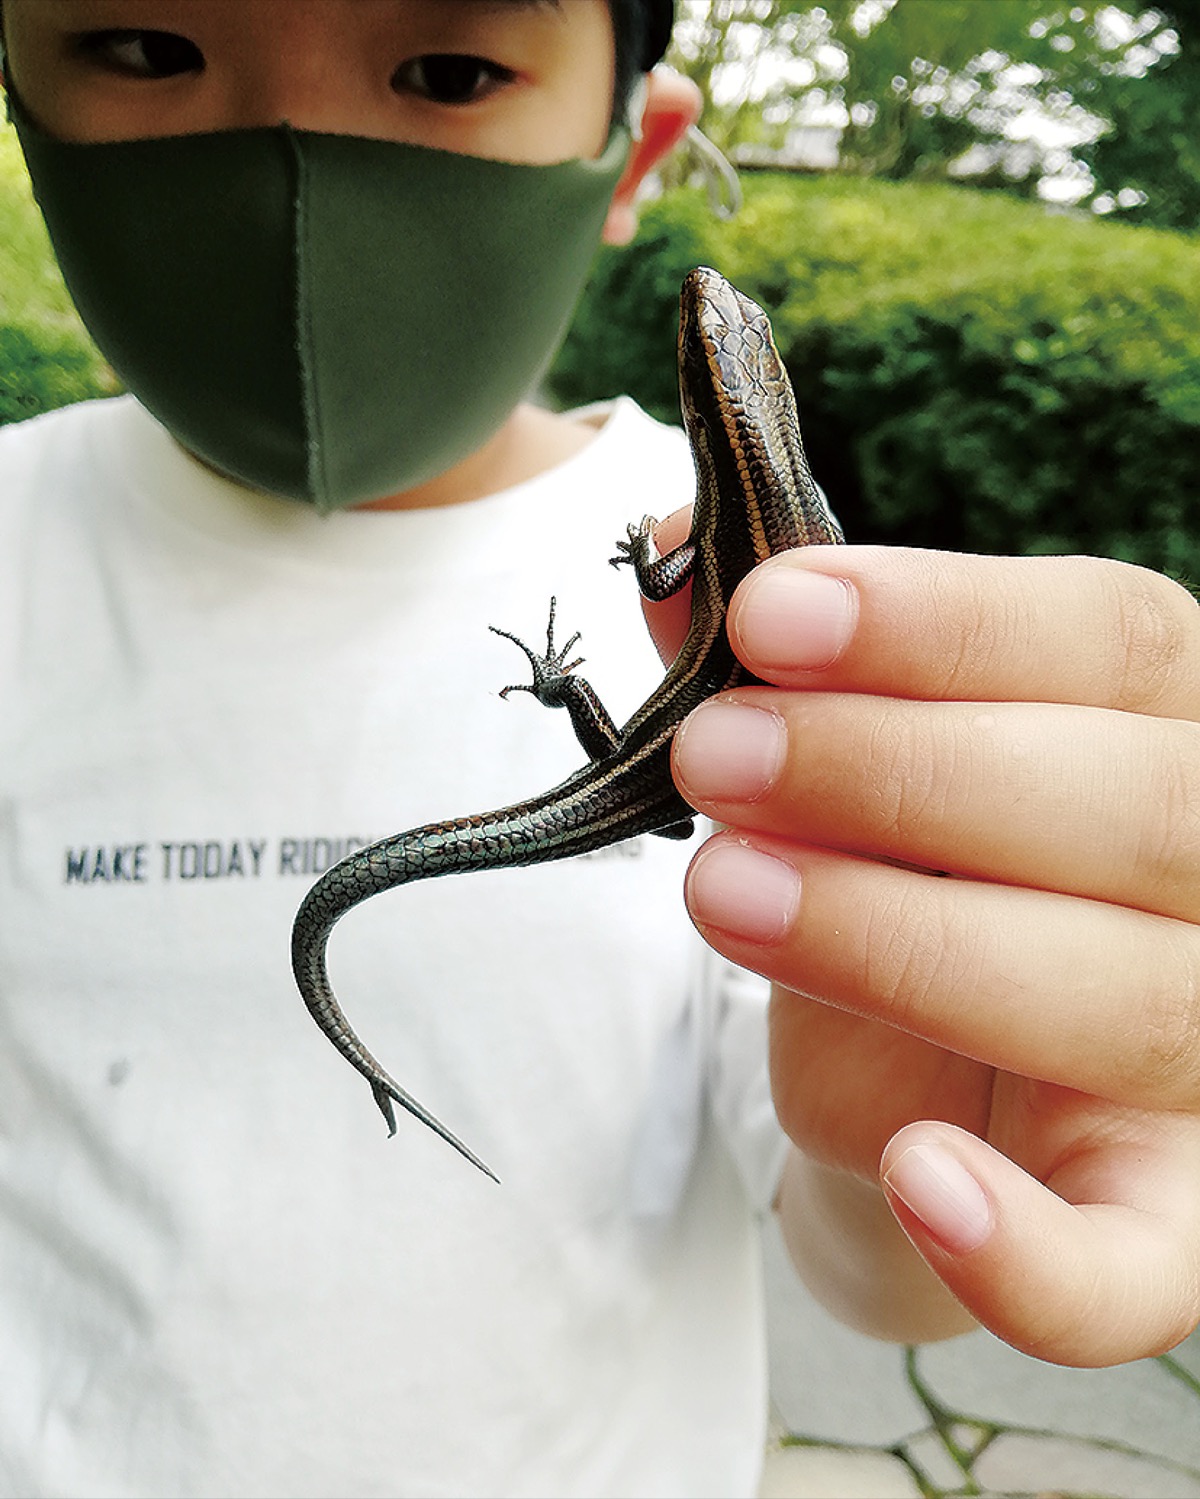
(642, 29)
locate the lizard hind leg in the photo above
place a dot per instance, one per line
(555, 686)
(548, 667)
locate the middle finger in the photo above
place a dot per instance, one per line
(1082, 801)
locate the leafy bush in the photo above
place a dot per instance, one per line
(973, 372)
(46, 356)
(41, 369)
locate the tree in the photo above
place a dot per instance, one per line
(1146, 166)
(756, 62)
(1092, 102)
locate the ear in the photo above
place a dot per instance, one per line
(672, 105)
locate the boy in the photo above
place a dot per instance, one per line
(216, 1277)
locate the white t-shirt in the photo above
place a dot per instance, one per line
(218, 1276)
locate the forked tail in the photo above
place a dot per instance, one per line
(553, 826)
(310, 933)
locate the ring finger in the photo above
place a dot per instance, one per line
(1026, 793)
(1027, 981)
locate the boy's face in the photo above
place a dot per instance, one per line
(521, 80)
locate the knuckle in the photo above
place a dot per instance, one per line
(918, 957)
(1168, 857)
(974, 630)
(908, 782)
(1155, 635)
(1166, 1053)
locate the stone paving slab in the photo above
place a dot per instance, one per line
(970, 1416)
(826, 1381)
(1065, 1466)
(1136, 1405)
(822, 1473)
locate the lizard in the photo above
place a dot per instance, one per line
(755, 496)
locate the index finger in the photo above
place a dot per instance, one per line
(903, 622)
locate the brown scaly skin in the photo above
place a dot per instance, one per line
(755, 496)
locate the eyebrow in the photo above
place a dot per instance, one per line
(517, 4)
(503, 5)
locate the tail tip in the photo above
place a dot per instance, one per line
(383, 1097)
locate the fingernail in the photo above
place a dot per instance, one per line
(743, 892)
(729, 752)
(796, 620)
(939, 1190)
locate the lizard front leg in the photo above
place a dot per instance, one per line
(658, 577)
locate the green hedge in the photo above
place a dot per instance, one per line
(973, 372)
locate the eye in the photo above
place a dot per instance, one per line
(144, 54)
(450, 77)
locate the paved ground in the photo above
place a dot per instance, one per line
(861, 1420)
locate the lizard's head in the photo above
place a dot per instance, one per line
(753, 480)
(725, 344)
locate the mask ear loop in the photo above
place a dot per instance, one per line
(720, 175)
(635, 108)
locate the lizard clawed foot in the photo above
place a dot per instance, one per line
(636, 551)
(554, 686)
(548, 668)
(658, 577)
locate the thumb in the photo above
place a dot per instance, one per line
(667, 620)
(1091, 1278)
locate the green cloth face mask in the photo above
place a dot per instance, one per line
(325, 317)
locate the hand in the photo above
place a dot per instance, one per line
(1014, 1049)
